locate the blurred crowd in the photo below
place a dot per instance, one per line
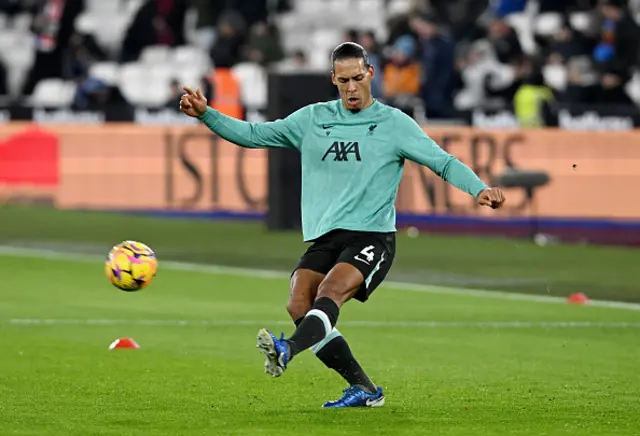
(230, 31)
(442, 57)
(464, 54)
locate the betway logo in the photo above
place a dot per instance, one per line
(500, 120)
(593, 121)
(64, 116)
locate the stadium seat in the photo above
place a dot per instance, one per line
(633, 87)
(156, 55)
(17, 52)
(53, 93)
(104, 7)
(500, 75)
(107, 23)
(398, 7)
(294, 40)
(582, 21)
(10, 38)
(319, 59)
(22, 22)
(327, 38)
(111, 33)
(364, 6)
(322, 41)
(555, 76)
(187, 78)
(190, 58)
(548, 24)
(253, 84)
(87, 23)
(108, 72)
(143, 86)
(311, 7)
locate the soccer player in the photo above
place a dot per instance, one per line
(353, 151)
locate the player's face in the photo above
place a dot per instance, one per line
(353, 80)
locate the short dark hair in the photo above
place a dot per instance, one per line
(349, 50)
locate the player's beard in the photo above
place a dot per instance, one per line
(353, 103)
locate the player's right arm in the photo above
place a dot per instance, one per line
(285, 133)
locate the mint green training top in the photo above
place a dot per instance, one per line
(352, 162)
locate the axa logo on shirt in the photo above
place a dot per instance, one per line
(341, 151)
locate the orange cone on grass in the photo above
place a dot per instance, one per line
(124, 343)
(578, 298)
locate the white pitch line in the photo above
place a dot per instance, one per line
(367, 324)
(39, 253)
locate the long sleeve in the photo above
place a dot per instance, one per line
(285, 133)
(418, 147)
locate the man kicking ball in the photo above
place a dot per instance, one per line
(353, 151)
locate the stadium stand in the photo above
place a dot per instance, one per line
(453, 56)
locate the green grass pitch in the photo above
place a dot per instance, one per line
(451, 364)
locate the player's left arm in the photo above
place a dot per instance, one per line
(418, 147)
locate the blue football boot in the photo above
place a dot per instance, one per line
(355, 396)
(276, 351)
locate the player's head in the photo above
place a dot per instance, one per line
(352, 74)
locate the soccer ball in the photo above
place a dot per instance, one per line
(131, 266)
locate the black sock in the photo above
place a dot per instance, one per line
(317, 324)
(337, 356)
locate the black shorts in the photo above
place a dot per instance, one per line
(371, 253)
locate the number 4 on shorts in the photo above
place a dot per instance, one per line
(367, 253)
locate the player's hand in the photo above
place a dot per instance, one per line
(193, 103)
(493, 198)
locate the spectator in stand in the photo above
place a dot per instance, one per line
(140, 34)
(460, 16)
(208, 12)
(296, 62)
(156, 22)
(11, 8)
(402, 76)
(264, 46)
(436, 51)
(169, 22)
(82, 53)
(564, 6)
(502, 8)
(368, 41)
(53, 24)
(582, 82)
(532, 99)
(617, 50)
(566, 44)
(176, 95)
(612, 88)
(561, 6)
(95, 95)
(299, 59)
(252, 11)
(351, 35)
(226, 51)
(505, 42)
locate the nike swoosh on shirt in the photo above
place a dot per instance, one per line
(327, 126)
